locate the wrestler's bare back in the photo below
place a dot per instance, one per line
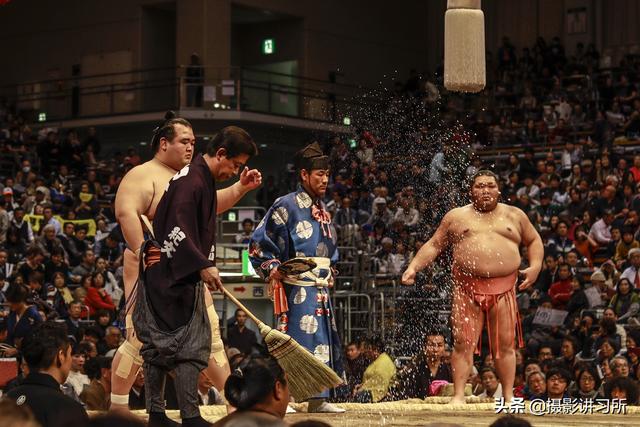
(139, 194)
(486, 244)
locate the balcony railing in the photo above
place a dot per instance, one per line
(150, 90)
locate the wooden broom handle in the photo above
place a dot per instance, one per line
(241, 306)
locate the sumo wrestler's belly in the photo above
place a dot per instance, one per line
(487, 255)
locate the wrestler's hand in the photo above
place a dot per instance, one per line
(409, 277)
(530, 275)
(250, 179)
(211, 277)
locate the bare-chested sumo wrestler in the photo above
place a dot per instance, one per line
(485, 237)
(139, 194)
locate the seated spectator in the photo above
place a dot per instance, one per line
(48, 353)
(22, 317)
(624, 246)
(247, 230)
(77, 378)
(378, 375)
(59, 282)
(87, 266)
(97, 297)
(110, 282)
(207, 393)
(545, 352)
(558, 380)
(382, 257)
(568, 353)
(587, 383)
(529, 189)
(74, 327)
(600, 231)
(399, 259)
(492, 388)
(258, 389)
(625, 303)
(578, 300)
(407, 215)
(606, 349)
(346, 215)
(86, 206)
(32, 264)
(48, 219)
(414, 380)
(239, 336)
(622, 388)
(137, 395)
(356, 364)
(112, 339)
(536, 385)
(561, 244)
(619, 366)
(55, 264)
(96, 396)
(69, 244)
(560, 292)
(48, 242)
(632, 273)
(380, 212)
(549, 275)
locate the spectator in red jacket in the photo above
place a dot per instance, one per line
(97, 297)
(560, 292)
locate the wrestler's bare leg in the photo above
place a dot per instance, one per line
(506, 363)
(218, 370)
(466, 316)
(121, 382)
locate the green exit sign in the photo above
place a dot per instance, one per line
(268, 46)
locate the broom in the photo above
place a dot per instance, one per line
(307, 376)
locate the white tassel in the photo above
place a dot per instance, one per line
(464, 51)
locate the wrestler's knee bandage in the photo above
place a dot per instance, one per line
(129, 351)
(217, 347)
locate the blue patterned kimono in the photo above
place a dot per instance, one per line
(287, 231)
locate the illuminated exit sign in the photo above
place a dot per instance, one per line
(268, 46)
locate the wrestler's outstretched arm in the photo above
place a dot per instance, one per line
(535, 251)
(429, 251)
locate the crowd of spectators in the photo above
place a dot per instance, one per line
(570, 128)
(568, 124)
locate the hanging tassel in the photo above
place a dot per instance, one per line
(464, 50)
(277, 293)
(323, 217)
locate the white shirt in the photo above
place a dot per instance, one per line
(497, 394)
(77, 380)
(630, 274)
(410, 218)
(600, 232)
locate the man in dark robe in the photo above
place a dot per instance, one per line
(171, 315)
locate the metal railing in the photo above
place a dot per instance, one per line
(147, 90)
(352, 313)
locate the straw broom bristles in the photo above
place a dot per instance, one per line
(307, 376)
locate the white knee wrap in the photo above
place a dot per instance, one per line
(129, 351)
(217, 347)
